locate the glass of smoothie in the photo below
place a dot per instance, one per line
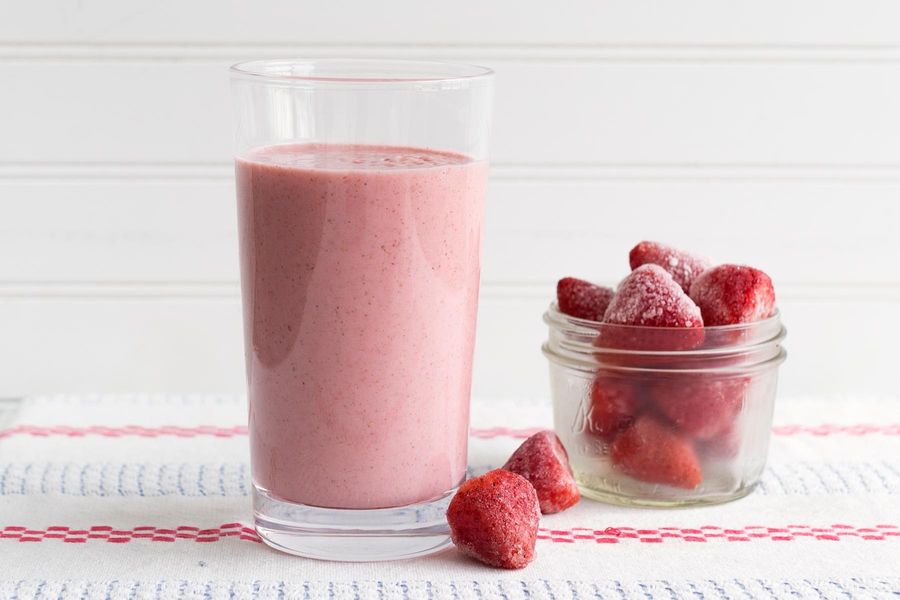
(360, 192)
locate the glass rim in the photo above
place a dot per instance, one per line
(360, 72)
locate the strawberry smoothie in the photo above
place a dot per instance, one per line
(360, 274)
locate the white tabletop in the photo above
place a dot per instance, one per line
(148, 497)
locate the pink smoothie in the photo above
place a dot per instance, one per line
(360, 273)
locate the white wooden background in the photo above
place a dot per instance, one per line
(765, 132)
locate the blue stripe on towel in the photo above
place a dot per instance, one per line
(233, 479)
(492, 589)
(125, 479)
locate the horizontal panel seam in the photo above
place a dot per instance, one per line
(195, 44)
(202, 52)
(63, 171)
(220, 164)
(836, 291)
(887, 62)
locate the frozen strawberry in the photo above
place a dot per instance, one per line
(582, 299)
(724, 445)
(650, 298)
(651, 452)
(700, 406)
(683, 266)
(730, 294)
(613, 405)
(494, 518)
(542, 460)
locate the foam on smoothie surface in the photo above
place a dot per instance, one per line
(354, 157)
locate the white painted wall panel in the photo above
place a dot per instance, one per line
(764, 132)
(569, 113)
(175, 344)
(158, 231)
(648, 22)
(114, 231)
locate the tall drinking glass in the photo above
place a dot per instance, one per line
(360, 191)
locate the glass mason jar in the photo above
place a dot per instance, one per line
(661, 416)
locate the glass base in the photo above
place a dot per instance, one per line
(351, 535)
(610, 497)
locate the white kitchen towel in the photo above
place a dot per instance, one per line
(147, 496)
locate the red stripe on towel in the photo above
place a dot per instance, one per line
(860, 429)
(710, 533)
(609, 535)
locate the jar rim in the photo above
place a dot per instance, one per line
(553, 312)
(607, 345)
